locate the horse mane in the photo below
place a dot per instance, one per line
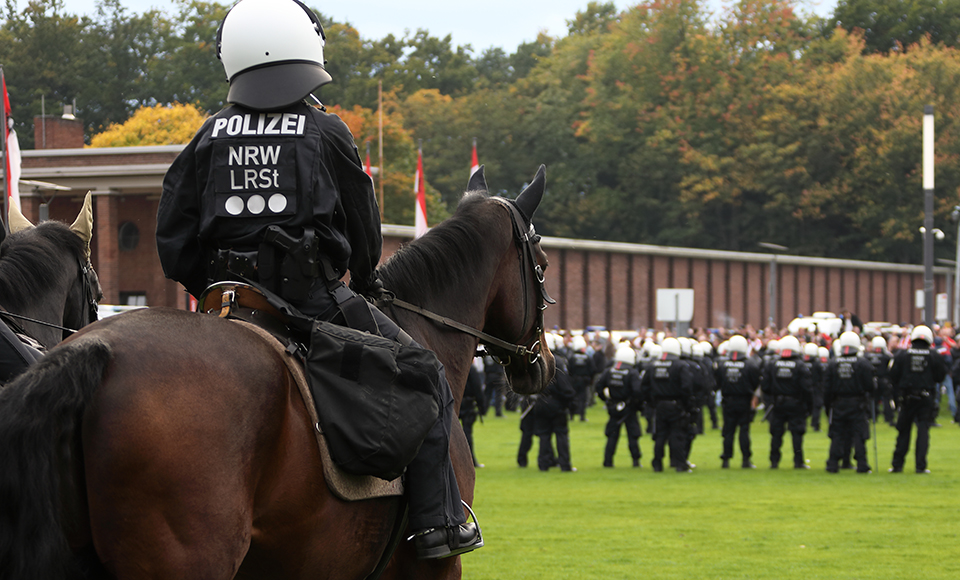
(446, 255)
(31, 261)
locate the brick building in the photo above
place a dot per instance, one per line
(595, 283)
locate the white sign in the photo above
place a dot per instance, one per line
(942, 308)
(918, 299)
(674, 304)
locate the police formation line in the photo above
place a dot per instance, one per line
(670, 381)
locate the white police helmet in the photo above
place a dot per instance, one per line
(685, 343)
(723, 347)
(626, 355)
(695, 349)
(707, 348)
(272, 53)
(773, 346)
(579, 343)
(671, 346)
(849, 342)
(878, 343)
(738, 344)
(922, 332)
(824, 353)
(655, 351)
(789, 346)
(811, 349)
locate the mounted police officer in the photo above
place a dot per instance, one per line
(738, 378)
(619, 387)
(669, 384)
(271, 190)
(787, 385)
(915, 373)
(849, 388)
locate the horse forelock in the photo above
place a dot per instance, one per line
(446, 256)
(32, 262)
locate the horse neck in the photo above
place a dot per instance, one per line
(48, 306)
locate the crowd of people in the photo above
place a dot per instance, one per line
(793, 382)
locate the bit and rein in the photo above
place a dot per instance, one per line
(502, 350)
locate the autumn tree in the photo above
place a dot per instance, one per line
(156, 125)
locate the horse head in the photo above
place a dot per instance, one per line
(45, 274)
(520, 299)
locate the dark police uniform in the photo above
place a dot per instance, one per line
(550, 418)
(281, 198)
(738, 378)
(582, 368)
(817, 374)
(787, 385)
(619, 387)
(472, 407)
(849, 388)
(669, 385)
(915, 373)
(884, 394)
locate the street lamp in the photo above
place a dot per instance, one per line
(928, 172)
(773, 275)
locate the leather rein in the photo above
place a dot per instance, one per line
(503, 351)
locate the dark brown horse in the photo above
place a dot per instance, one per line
(166, 444)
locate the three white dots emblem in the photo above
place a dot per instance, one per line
(255, 204)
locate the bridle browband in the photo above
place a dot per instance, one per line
(503, 351)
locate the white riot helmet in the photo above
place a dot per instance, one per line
(811, 350)
(723, 347)
(272, 53)
(738, 344)
(549, 341)
(579, 344)
(824, 353)
(707, 348)
(655, 351)
(789, 346)
(849, 342)
(671, 346)
(696, 350)
(773, 346)
(878, 344)
(685, 349)
(626, 355)
(922, 332)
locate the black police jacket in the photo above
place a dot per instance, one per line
(738, 377)
(848, 376)
(917, 370)
(246, 170)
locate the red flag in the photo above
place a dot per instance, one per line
(474, 160)
(420, 189)
(12, 157)
(366, 165)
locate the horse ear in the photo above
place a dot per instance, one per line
(477, 181)
(16, 219)
(83, 225)
(529, 198)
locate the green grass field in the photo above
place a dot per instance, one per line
(713, 523)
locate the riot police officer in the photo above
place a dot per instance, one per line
(669, 385)
(915, 373)
(787, 386)
(848, 390)
(582, 367)
(738, 378)
(619, 387)
(811, 356)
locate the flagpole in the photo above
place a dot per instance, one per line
(380, 141)
(6, 160)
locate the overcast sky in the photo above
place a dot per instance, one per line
(480, 23)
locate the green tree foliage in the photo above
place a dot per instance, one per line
(659, 124)
(891, 25)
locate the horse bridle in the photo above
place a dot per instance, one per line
(90, 302)
(503, 351)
